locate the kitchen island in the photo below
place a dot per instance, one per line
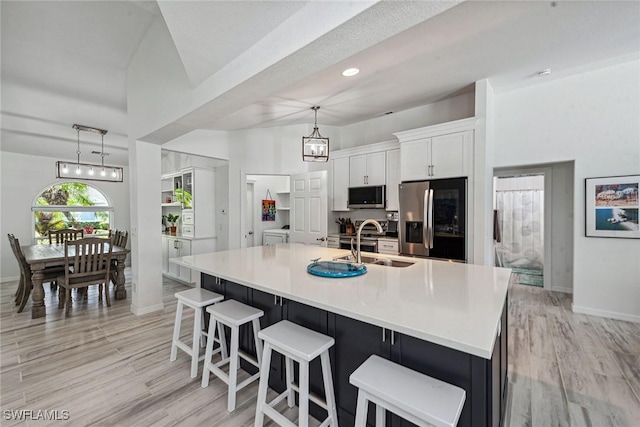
(440, 318)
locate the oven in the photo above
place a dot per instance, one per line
(367, 244)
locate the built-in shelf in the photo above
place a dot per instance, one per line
(282, 192)
(283, 209)
(171, 204)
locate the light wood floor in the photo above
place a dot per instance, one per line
(108, 367)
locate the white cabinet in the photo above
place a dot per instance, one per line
(273, 237)
(367, 169)
(193, 191)
(173, 247)
(388, 246)
(340, 183)
(177, 247)
(438, 156)
(393, 179)
(333, 241)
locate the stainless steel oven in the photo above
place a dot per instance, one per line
(367, 244)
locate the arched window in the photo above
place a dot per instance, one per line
(71, 205)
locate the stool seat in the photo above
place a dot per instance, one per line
(296, 340)
(234, 313)
(198, 297)
(428, 399)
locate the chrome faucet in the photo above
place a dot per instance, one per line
(365, 222)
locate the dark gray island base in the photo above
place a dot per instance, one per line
(484, 380)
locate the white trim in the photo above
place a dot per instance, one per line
(605, 313)
(565, 289)
(9, 279)
(436, 130)
(365, 149)
(71, 208)
(146, 310)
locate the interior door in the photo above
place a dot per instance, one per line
(249, 217)
(309, 213)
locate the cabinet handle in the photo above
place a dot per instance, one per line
(433, 170)
(384, 335)
(393, 338)
(280, 301)
(275, 300)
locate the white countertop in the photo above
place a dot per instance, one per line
(452, 304)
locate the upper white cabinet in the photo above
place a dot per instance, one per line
(393, 179)
(440, 151)
(340, 183)
(367, 169)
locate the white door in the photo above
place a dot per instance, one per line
(249, 217)
(376, 165)
(309, 208)
(449, 155)
(358, 170)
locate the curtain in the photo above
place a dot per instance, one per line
(520, 206)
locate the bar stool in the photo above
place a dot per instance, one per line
(416, 397)
(196, 298)
(302, 345)
(232, 314)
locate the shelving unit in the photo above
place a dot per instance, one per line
(282, 202)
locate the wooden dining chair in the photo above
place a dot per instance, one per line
(61, 236)
(119, 238)
(87, 262)
(26, 285)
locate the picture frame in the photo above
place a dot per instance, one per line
(611, 206)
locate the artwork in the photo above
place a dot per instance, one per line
(268, 210)
(612, 205)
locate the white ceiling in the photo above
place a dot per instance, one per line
(65, 62)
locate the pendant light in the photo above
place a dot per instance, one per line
(89, 171)
(315, 147)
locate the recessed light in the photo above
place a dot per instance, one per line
(544, 72)
(349, 72)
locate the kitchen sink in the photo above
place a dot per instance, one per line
(376, 261)
(392, 263)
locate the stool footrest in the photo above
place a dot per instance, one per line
(277, 416)
(315, 398)
(182, 346)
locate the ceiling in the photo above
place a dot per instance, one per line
(66, 62)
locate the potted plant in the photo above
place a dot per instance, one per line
(171, 218)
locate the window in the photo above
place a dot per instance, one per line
(71, 205)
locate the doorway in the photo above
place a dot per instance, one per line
(520, 226)
(260, 188)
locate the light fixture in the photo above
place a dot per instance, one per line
(86, 170)
(350, 72)
(315, 147)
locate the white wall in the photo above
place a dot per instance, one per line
(268, 151)
(23, 177)
(222, 207)
(382, 128)
(273, 183)
(592, 118)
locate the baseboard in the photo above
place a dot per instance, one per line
(605, 313)
(565, 289)
(9, 279)
(140, 311)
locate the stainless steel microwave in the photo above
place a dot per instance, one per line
(371, 197)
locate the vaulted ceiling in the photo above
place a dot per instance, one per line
(66, 62)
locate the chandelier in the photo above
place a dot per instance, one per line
(315, 147)
(70, 170)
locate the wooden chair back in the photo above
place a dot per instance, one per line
(61, 236)
(17, 251)
(120, 238)
(87, 262)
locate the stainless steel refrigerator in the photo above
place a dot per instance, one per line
(433, 219)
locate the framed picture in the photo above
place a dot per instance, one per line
(611, 206)
(268, 210)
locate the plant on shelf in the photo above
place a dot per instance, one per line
(184, 197)
(171, 218)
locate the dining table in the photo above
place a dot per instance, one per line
(42, 256)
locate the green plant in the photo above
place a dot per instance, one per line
(183, 196)
(172, 219)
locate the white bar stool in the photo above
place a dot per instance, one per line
(416, 397)
(233, 314)
(196, 298)
(302, 345)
